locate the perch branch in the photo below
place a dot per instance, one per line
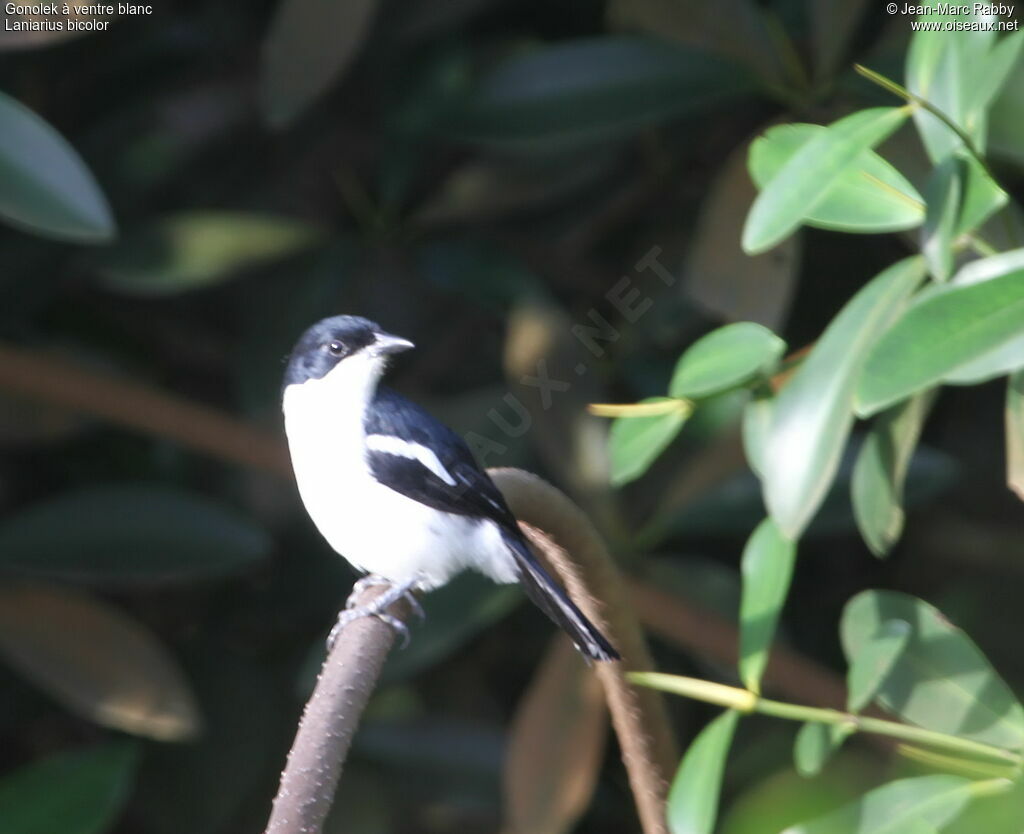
(347, 679)
(555, 526)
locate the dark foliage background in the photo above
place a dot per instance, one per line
(477, 177)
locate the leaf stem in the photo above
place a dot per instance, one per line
(746, 701)
(901, 91)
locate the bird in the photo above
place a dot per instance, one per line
(396, 492)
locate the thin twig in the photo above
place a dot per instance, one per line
(555, 526)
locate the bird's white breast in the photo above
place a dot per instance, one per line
(374, 527)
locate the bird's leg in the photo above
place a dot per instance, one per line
(377, 607)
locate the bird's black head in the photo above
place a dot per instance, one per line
(335, 339)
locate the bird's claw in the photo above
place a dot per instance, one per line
(377, 607)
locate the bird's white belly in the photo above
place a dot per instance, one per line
(380, 530)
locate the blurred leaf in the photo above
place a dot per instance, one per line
(197, 249)
(720, 276)
(47, 188)
(867, 195)
(941, 680)
(881, 468)
(943, 330)
(1006, 117)
(943, 198)
(767, 568)
(96, 662)
(725, 358)
(80, 792)
(1015, 433)
(805, 180)
(833, 24)
(871, 665)
(757, 418)
(27, 422)
(636, 442)
(813, 412)
(982, 196)
(960, 76)
(589, 91)
(556, 745)
(815, 744)
(896, 806)
(309, 46)
(693, 798)
(735, 29)
(455, 613)
(128, 533)
(1005, 359)
(985, 269)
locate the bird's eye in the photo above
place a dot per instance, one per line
(336, 348)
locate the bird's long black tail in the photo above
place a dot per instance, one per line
(553, 601)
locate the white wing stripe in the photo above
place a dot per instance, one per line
(389, 444)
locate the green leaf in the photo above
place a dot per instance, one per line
(942, 195)
(943, 330)
(725, 358)
(1004, 359)
(198, 249)
(308, 47)
(128, 533)
(868, 195)
(635, 442)
(80, 792)
(693, 798)
(1015, 433)
(757, 419)
(880, 470)
(96, 661)
(590, 91)
(46, 187)
(804, 181)
(815, 744)
(871, 665)
(813, 413)
(982, 197)
(941, 680)
(767, 568)
(896, 806)
(833, 24)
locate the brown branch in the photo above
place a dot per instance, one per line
(329, 721)
(556, 527)
(45, 379)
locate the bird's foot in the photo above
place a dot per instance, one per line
(377, 607)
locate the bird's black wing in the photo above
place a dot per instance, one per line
(411, 452)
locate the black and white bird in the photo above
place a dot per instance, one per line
(396, 492)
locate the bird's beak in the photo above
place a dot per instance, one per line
(387, 344)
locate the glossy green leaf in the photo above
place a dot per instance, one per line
(725, 358)
(757, 419)
(1015, 433)
(128, 533)
(943, 196)
(47, 188)
(198, 249)
(804, 181)
(589, 91)
(896, 806)
(985, 269)
(635, 442)
(813, 413)
(767, 568)
(815, 744)
(308, 47)
(871, 665)
(941, 680)
(880, 470)
(96, 661)
(868, 195)
(1003, 360)
(80, 792)
(945, 329)
(693, 798)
